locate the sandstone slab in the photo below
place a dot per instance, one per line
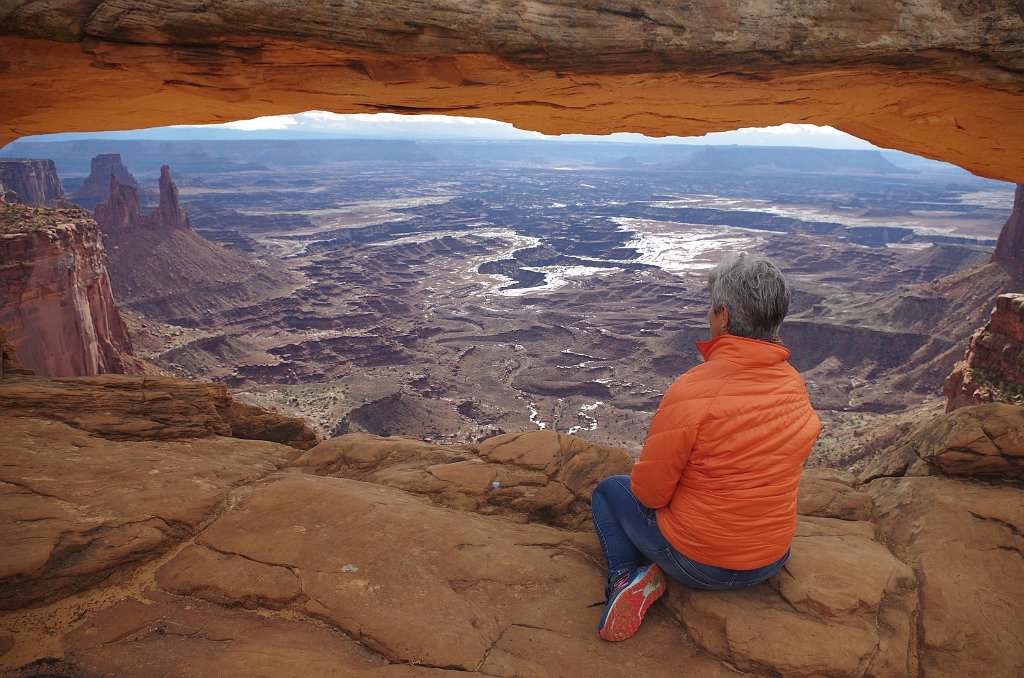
(169, 637)
(830, 493)
(842, 606)
(540, 476)
(122, 407)
(423, 585)
(76, 508)
(966, 543)
(982, 440)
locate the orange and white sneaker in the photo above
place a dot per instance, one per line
(628, 602)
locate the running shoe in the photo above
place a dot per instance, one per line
(628, 602)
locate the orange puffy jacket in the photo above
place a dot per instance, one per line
(722, 461)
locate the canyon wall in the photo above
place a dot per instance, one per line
(30, 182)
(939, 79)
(993, 367)
(55, 295)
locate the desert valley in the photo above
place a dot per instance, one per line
(451, 291)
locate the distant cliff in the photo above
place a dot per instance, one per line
(96, 185)
(993, 368)
(57, 303)
(30, 182)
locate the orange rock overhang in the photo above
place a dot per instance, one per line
(939, 79)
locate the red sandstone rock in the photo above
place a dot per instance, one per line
(315, 558)
(96, 187)
(935, 78)
(828, 493)
(30, 182)
(464, 591)
(168, 214)
(122, 407)
(57, 303)
(76, 507)
(985, 441)
(121, 210)
(993, 367)
(541, 476)
(964, 542)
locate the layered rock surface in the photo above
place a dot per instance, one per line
(993, 367)
(371, 556)
(933, 78)
(57, 302)
(30, 182)
(147, 408)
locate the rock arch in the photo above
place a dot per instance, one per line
(936, 78)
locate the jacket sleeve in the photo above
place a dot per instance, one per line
(665, 453)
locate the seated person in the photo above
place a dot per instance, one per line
(712, 500)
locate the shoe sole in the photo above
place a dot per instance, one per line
(626, 611)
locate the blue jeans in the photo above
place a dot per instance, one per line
(630, 538)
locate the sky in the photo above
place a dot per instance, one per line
(395, 126)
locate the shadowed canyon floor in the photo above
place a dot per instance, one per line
(451, 291)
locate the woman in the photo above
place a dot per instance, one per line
(712, 500)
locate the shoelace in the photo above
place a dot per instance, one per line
(619, 584)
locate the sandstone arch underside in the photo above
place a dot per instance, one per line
(937, 78)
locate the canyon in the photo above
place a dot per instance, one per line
(158, 526)
(451, 291)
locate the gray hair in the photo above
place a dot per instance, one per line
(754, 291)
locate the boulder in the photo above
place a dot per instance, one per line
(983, 441)
(842, 606)
(830, 493)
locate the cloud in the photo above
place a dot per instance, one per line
(266, 122)
(429, 126)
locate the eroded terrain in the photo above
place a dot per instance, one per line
(453, 291)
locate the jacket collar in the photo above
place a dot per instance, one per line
(742, 350)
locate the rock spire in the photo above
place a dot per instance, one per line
(96, 185)
(169, 213)
(121, 212)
